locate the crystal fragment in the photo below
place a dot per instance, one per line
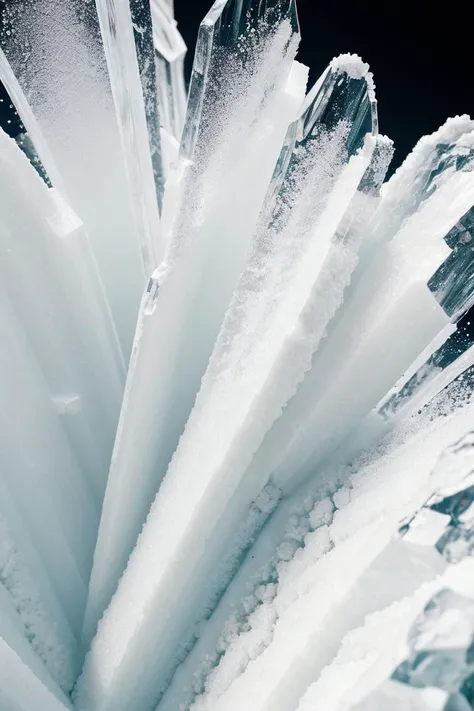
(127, 34)
(29, 137)
(220, 43)
(440, 644)
(170, 51)
(205, 232)
(63, 74)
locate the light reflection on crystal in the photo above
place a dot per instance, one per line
(302, 328)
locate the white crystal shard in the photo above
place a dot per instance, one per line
(197, 279)
(392, 292)
(68, 318)
(10, 82)
(65, 81)
(32, 620)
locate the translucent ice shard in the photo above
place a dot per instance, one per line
(208, 250)
(27, 132)
(220, 42)
(32, 620)
(21, 689)
(302, 255)
(61, 380)
(68, 323)
(447, 364)
(169, 59)
(57, 56)
(128, 43)
(391, 299)
(439, 642)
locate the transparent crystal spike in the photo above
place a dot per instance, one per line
(170, 51)
(342, 95)
(128, 43)
(446, 365)
(26, 131)
(220, 36)
(56, 54)
(143, 32)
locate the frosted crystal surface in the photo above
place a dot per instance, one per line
(273, 509)
(65, 80)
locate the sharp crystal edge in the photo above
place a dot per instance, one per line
(170, 51)
(127, 33)
(274, 509)
(169, 324)
(72, 84)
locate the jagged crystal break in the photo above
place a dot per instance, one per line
(452, 283)
(214, 219)
(437, 665)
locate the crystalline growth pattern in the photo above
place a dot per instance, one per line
(342, 100)
(220, 44)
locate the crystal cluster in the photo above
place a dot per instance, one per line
(232, 356)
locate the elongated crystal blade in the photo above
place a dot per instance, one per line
(57, 56)
(453, 283)
(170, 51)
(11, 94)
(261, 103)
(21, 690)
(221, 31)
(127, 34)
(343, 99)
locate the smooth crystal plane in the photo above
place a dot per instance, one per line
(237, 449)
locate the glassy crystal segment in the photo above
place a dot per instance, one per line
(219, 44)
(25, 128)
(439, 642)
(127, 33)
(64, 77)
(170, 51)
(453, 283)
